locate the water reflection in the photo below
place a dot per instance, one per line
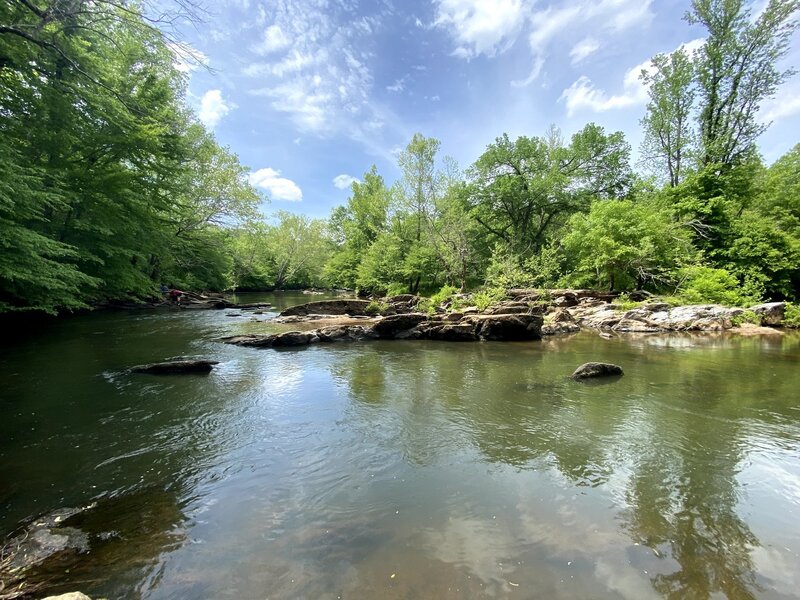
(672, 467)
(411, 469)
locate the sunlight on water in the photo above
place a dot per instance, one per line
(406, 469)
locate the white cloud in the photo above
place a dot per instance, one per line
(481, 26)
(213, 107)
(398, 86)
(561, 26)
(274, 39)
(583, 93)
(312, 65)
(344, 181)
(279, 188)
(786, 104)
(583, 49)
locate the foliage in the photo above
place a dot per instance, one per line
(521, 190)
(624, 302)
(791, 315)
(703, 284)
(746, 316)
(624, 244)
(485, 298)
(376, 307)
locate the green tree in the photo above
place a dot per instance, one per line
(668, 136)
(736, 70)
(521, 190)
(624, 244)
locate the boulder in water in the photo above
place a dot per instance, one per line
(171, 367)
(591, 370)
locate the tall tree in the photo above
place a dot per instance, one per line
(668, 135)
(737, 70)
(521, 190)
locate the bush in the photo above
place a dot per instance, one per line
(747, 316)
(443, 295)
(485, 298)
(376, 307)
(791, 315)
(624, 302)
(395, 289)
(706, 284)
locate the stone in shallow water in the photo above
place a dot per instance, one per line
(176, 366)
(69, 596)
(596, 369)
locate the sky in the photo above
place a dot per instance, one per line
(311, 93)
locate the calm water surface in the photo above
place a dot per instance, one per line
(406, 469)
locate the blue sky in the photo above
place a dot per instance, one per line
(311, 93)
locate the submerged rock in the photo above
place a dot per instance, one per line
(176, 366)
(596, 369)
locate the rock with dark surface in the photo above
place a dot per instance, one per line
(344, 333)
(171, 367)
(389, 327)
(592, 370)
(350, 306)
(508, 328)
(453, 332)
(293, 338)
(770, 313)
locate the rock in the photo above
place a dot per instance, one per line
(69, 596)
(750, 330)
(559, 328)
(508, 327)
(176, 366)
(389, 327)
(459, 332)
(250, 341)
(562, 316)
(234, 315)
(596, 369)
(509, 308)
(349, 306)
(344, 333)
(606, 336)
(293, 338)
(771, 313)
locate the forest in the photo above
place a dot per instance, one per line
(110, 186)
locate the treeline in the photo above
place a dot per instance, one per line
(703, 218)
(109, 186)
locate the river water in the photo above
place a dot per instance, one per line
(405, 469)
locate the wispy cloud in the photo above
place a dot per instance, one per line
(344, 181)
(212, 108)
(583, 49)
(273, 40)
(278, 188)
(481, 27)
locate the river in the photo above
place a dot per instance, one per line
(405, 469)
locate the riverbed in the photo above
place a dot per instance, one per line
(405, 469)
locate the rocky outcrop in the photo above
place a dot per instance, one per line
(171, 367)
(770, 313)
(413, 326)
(69, 596)
(593, 370)
(656, 317)
(349, 306)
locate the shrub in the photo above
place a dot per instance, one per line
(624, 302)
(485, 298)
(747, 316)
(791, 315)
(376, 307)
(395, 289)
(706, 284)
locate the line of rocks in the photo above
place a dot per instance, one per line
(454, 327)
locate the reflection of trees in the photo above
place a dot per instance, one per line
(675, 434)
